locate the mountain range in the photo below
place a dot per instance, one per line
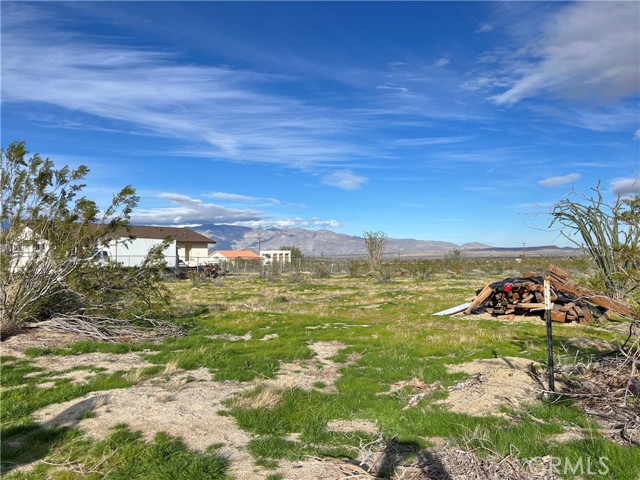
(318, 242)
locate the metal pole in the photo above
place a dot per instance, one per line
(177, 264)
(547, 310)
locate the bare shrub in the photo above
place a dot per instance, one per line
(375, 243)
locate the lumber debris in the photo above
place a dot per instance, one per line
(480, 297)
(452, 310)
(525, 296)
(561, 280)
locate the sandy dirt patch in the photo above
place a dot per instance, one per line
(325, 326)
(186, 404)
(36, 338)
(190, 409)
(231, 338)
(515, 319)
(182, 408)
(569, 435)
(306, 374)
(494, 383)
(107, 362)
(269, 336)
(356, 425)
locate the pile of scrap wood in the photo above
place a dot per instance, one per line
(525, 296)
(560, 280)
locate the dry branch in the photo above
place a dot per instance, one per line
(112, 330)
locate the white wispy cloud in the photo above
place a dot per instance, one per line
(186, 210)
(224, 113)
(484, 28)
(501, 157)
(433, 140)
(626, 186)
(394, 88)
(344, 179)
(396, 65)
(613, 118)
(241, 198)
(229, 113)
(637, 134)
(441, 62)
(559, 180)
(296, 222)
(588, 51)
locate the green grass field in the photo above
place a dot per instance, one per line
(246, 329)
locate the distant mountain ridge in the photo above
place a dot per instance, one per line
(317, 242)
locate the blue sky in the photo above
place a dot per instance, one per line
(444, 121)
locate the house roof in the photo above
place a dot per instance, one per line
(178, 234)
(244, 254)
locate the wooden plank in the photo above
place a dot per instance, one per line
(559, 273)
(567, 307)
(530, 305)
(482, 296)
(561, 287)
(588, 316)
(528, 297)
(600, 300)
(558, 316)
(610, 304)
(452, 310)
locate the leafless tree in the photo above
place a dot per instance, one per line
(375, 243)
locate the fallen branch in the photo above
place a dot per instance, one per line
(107, 329)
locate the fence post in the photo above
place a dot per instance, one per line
(547, 311)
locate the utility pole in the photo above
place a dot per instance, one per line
(524, 250)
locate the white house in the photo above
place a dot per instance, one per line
(131, 245)
(280, 256)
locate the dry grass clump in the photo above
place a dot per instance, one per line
(135, 375)
(268, 397)
(171, 368)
